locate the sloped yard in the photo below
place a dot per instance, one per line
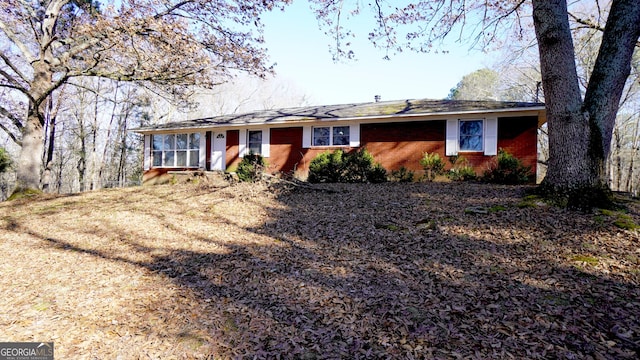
(399, 271)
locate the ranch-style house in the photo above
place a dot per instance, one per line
(396, 133)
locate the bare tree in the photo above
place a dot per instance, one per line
(166, 42)
(580, 127)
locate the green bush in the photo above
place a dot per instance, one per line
(338, 166)
(461, 170)
(507, 170)
(251, 168)
(464, 173)
(402, 175)
(326, 167)
(5, 160)
(432, 164)
(377, 174)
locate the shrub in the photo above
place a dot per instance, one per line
(507, 170)
(432, 164)
(326, 167)
(402, 175)
(464, 173)
(377, 174)
(338, 166)
(251, 168)
(461, 170)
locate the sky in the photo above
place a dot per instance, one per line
(300, 50)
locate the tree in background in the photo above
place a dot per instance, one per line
(166, 43)
(483, 84)
(580, 127)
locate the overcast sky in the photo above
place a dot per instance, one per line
(301, 51)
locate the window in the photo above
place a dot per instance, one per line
(471, 135)
(176, 150)
(331, 135)
(255, 141)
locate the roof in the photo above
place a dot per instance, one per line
(382, 109)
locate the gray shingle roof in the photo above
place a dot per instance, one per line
(346, 111)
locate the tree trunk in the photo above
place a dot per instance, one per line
(30, 160)
(568, 125)
(580, 131)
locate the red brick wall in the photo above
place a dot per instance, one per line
(402, 144)
(392, 144)
(160, 175)
(286, 149)
(519, 136)
(287, 154)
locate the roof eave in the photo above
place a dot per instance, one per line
(533, 109)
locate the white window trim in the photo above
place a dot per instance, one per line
(354, 136)
(483, 136)
(243, 142)
(489, 136)
(451, 139)
(188, 150)
(147, 152)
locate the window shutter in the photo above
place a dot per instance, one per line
(306, 136)
(451, 142)
(147, 152)
(354, 135)
(491, 137)
(203, 151)
(242, 142)
(266, 135)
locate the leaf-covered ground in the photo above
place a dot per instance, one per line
(399, 271)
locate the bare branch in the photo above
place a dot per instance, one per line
(15, 40)
(588, 24)
(9, 115)
(13, 67)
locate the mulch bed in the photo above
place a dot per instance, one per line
(401, 271)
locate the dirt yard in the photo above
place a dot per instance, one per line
(398, 271)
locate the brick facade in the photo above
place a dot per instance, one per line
(393, 144)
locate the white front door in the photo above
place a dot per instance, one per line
(218, 150)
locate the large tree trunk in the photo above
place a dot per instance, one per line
(30, 160)
(580, 131)
(568, 125)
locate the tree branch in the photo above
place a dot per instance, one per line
(591, 25)
(13, 67)
(14, 39)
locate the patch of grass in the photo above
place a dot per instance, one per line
(24, 194)
(497, 208)
(391, 227)
(587, 259)
(622, 220)
(626, 222)
(529, 201)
